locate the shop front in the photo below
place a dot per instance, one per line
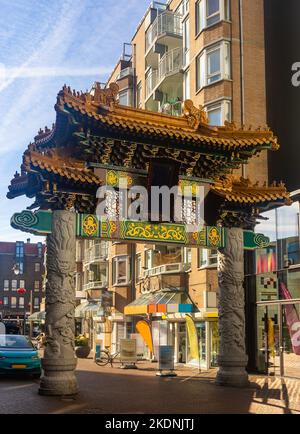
(278, 294)
(166, 312)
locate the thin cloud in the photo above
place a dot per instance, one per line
(56, 71)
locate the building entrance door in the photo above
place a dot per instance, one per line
(279, 337)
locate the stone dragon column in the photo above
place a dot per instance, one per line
(59, 361)
(232, 355)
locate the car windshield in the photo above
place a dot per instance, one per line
(14, 341)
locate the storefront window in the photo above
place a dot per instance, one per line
(215, 342)
(201, 333)
(288, 235)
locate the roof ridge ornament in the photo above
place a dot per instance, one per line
(195, 116)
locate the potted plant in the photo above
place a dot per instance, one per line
(82, 348)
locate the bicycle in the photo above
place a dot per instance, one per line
(106, 357)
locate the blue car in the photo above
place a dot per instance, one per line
(18, 355)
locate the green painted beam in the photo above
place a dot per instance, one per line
(88, 226)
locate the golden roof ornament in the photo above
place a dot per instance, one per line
(195, 116)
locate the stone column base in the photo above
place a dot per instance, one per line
(58, 378)
(232, 374)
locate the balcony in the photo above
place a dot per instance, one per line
(95, 285)
(167, 269)
(166, 29)
(167, 79)
(126, 72)
(96, 253)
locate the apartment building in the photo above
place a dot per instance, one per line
(212, 52)
(21, 280)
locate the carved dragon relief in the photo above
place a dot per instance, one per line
(60, 295)
(231, 302)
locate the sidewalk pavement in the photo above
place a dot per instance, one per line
(106, 390)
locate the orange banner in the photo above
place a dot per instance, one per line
(143, 328)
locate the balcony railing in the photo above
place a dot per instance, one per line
(96, 253)
(171, 63)
(95, 285)
(125, 73)
(167, 269)
(165, 23)
(151, 82)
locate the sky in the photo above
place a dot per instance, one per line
(43, 45)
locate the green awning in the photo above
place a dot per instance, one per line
(37, 316)
(93, 307)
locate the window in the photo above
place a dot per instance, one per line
(148, 258)
(207, 258)
(37, 267)
(13, 302)
(6, 285)
(121, 270)
(210, 12)
(40, 249)
(36, 303)
(213, 64)
(219, 112)
(186, 41)
(125, 97)
(19, 249)
(5, 301)
(139, 95)
(22, 284)
(187, 253)
(138, 267)
(14, 284)
(36, 285)
(186, 81)
(21, 302)
(185, 6)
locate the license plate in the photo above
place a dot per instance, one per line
(19, 366)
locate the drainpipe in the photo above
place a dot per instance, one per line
(134, 84)
(242, 80)
(133, 279)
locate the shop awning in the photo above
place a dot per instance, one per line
(37, 316)
(95, 308)
(162, 301)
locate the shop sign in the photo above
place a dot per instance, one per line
(166, 358)
(128, 350)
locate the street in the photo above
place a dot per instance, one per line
(106, 390)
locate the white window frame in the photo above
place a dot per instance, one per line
(187, 85)
(14, 285)
(128, 92)
(209, 259)
(21, 305)
(116, 281)
(139, 268)
(5, 300)
(13, 305)
(37, 265)
(6, 285)
(202, 74)
(202, 17)
(36, 305)
(186, 25)
(225, 107)
(37, 287)
(150, 258)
